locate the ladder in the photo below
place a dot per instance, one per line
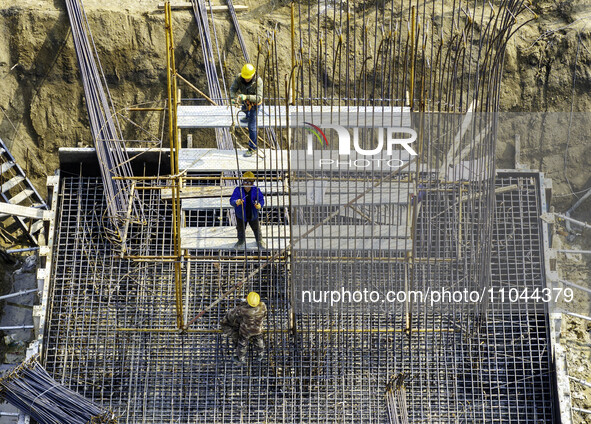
(16, 189)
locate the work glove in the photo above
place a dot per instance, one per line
(239, 202)
(257, 205)
(242, 97)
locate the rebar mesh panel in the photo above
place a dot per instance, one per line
(334, 368)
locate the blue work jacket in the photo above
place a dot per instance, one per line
(255, 195)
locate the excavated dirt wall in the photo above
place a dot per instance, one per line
(42, 105)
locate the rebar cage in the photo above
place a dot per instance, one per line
(327, 366)
(440, 219)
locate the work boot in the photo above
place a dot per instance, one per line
(249, 153)
(240, 360)
(242, 117)
(239, 244)
(261, 244)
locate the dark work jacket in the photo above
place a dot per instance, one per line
(255, 195)
(252, 89)
(245, 320)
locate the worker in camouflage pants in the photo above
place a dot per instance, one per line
(244, 324)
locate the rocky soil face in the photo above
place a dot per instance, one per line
(42, 107)
(547, 74)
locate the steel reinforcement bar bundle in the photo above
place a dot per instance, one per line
(32, 390)
(224, 139)
(104, 126)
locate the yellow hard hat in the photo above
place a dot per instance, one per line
(248, 175)
(253, 299)
(248, 71)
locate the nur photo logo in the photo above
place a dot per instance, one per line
(389, 141)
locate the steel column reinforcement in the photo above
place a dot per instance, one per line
(104, 126)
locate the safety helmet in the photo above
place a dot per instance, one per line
(248, 175)
(248, 71)
(253, 299)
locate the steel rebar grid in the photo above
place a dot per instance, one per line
(501, 375)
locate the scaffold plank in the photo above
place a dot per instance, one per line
(25, 211)
(214, 9)
(341, 237)
(214, 160)
(218, 191)
(297, 200)
(276, 116)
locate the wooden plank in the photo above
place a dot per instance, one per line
(210, 116)
(298, 200)
(277, 237)
(199, 191)
(324, 231)
(25, 212)
(6, 166)
(36, 226)
(215, 9)
(12, 183)
(21, 196)
(214, 160)
(224, 202)
(384, 214)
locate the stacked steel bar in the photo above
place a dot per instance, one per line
(104, 126)
(223, 137)
(32, 390)
(396, 400)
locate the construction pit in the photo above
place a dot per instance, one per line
(111, 322)
(407, 283)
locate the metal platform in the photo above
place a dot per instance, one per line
(276, 116)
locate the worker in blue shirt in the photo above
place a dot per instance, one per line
(247, 200)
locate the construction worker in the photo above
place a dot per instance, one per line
(247, 200)
(244, 324)
(247, 92)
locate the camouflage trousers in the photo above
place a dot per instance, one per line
(241, 344)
